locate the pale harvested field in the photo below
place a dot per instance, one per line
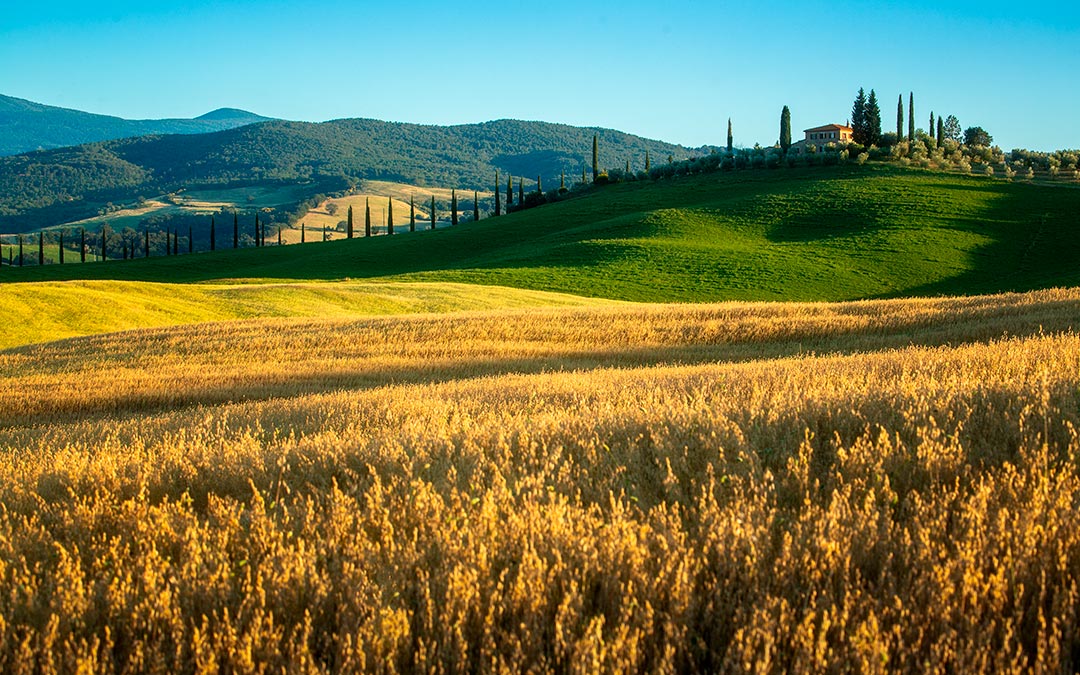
(379, 193)
(872, 487)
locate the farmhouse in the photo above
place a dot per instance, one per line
(830, 133)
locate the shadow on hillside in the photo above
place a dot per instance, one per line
(1035, 243)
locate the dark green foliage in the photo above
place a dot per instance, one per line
(873, 119)
(498, 187)
(453, 207)
(104, 241)
(258, 242)
(911, 117)
(900, 116)
(303, 233)
(235, 230)
(61, 247)
(730, 138)
(367, 217)
(191, 240)
(646, 161)
(595, 157)
(213, 235)
(41, 248)
(940, 130)
(82, 245)
(539, 185)
(858, 119)
(389, 215)
(521, 193)
(412, 211)
(21, 252)
(977, 137)
(433, 212)
(930, 129)
(349, 224)
(785, 129)
(146, 243)
(279, 236)
(476, 206)
(952, 129)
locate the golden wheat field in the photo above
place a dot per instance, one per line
(865, 487)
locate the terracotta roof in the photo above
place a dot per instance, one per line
(829, 127)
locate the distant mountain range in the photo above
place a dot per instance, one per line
(51, 187)
(27, 126)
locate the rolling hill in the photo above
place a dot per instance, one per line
(823, 233)
(26, 126)
(52, 187)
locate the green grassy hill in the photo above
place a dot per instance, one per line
(821, 233)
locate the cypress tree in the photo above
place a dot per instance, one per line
(510, 189)
(583, 180)
(258, 234)
(433, 212)
(82, 245)
(453, 206)
(873, 119)
(911, 117)
(562, 181)
(124, 249)
(899, 117)
(41, 248)
(646, 161)
(303, 233)
(940, 130)
(730, 138)
(104, 229)
(539, 185)
(627, 169)
(412, 212)
(498, 205)
(348, 224)
(858, 119)
(389, 215)
(367, 216)
(21, 252)
(146, 242)
(595, 157)
(279, 236)
(190, 240)
(785, 129)
(521, 193)
(324, 232)
(61, 247)
(476, 207)
(235, 231)
(930, 129)
(213, 235)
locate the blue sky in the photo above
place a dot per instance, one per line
(673, 70)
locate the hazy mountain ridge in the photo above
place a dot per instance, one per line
(53, 186)
(26, 126)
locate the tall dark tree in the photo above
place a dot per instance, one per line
(433, 212)
(104, 239)
(521, 192)
(279, 236)
(412, 213)
(510, 189)
(785, 129)
(583, 179)
(730, 138)
(627, 169)
(539, 185)
(213, 235)
(257, 244)
(930, 129)
(367, 216)
(899, 117)
(303, 233)
(476, 207)
(146, 242)
(498, 197)
(940, 130)
(389, 215)
(41, 248)
(595, 157)
(21, 252)
(873, 119)
(190, 240)
(61, 247)
(858, 119)
(562, 182)
(349, 224)
(453, 206)
(235, 230)
(911, 117)
(646, 161)
(977, 137)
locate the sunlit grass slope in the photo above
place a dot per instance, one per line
(807, 234)
(885, 486)
(44, 311)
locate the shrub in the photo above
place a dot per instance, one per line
(862, 157)
(844, 155)
(989, 170)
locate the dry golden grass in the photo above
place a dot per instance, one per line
(379, 193)
(886, 486)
